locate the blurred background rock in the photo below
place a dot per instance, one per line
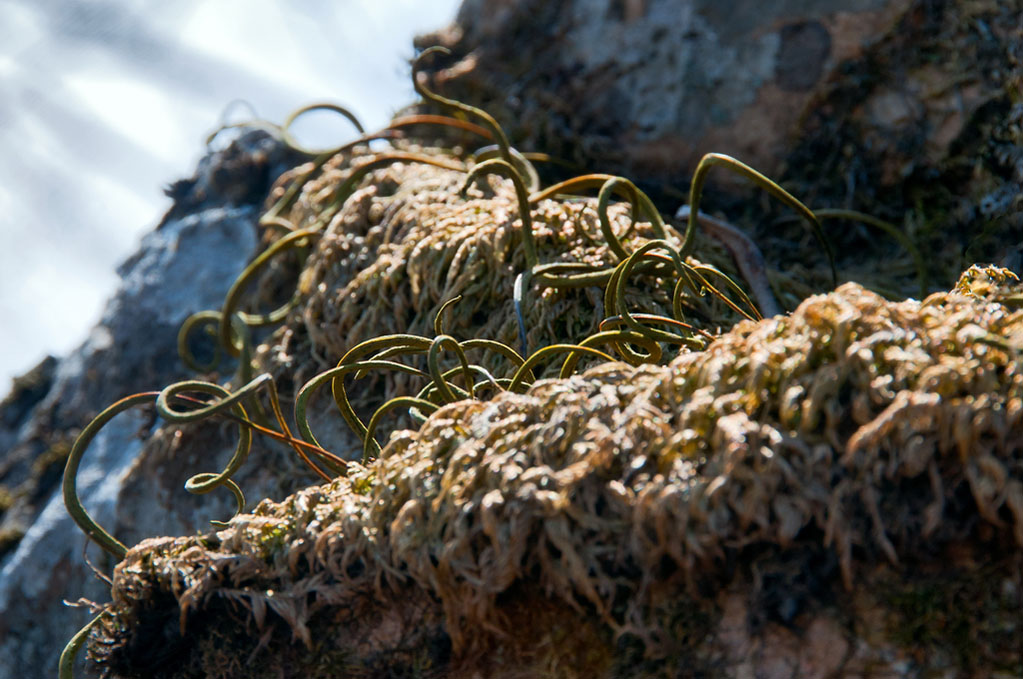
(104, 103)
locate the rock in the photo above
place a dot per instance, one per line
(646, 87)
(906, 110)
(185, 265)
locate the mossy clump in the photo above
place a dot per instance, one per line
(17, 503)
(26, 391)
(855, 427)
(407, 241)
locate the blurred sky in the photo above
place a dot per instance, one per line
(104, 102)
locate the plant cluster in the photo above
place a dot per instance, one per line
(655, 304)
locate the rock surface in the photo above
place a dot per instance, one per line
(185, 265)
(907, 110)
(649, 86)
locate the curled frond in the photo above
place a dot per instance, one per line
(506, 169)
(696, 191)
(499, 136)
(518, 380)
(93, 530)
(890, 229)
(229, 342)
(293, 144)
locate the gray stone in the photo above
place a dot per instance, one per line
(645, 87)
(185, 265)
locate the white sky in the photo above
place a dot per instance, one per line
(102, 103)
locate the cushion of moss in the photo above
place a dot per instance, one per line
(862, 427)
(406, 242)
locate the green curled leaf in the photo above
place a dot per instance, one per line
(614, 322)
(66, 665)
(639, 202)
(572, 275)
(696, 191)
(890, 229)
(445, 121)
(518, 379)
(615, 338)
(438, 327)
(700, 269)
(294, 188)
(488, 120)
(523, 166)
(370, 447)
(506, 169)
(334, 376)
(427, 392)
(93, 530)
(608, 185)
(289, 139)
(225, 401)
(618, 300)
(228, 340)
(381, 160)
(197, 320)
(433, 361)
(200, 485)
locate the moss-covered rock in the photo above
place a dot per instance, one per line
(824, 480)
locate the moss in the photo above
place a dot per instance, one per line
(26, 391)
(688, 626)
(589, 526)
(49, 464)
(532, 529)
(44, 473)
(6, 498)
(393, 256)
(971, 616)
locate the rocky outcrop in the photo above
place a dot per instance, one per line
(649, 86)
(185, 265)
(907, 110)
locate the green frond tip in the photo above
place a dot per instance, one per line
(292, 143)
(488, 120)
(438, 325)
(506, 169)
(65, 668)
(696, 191)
